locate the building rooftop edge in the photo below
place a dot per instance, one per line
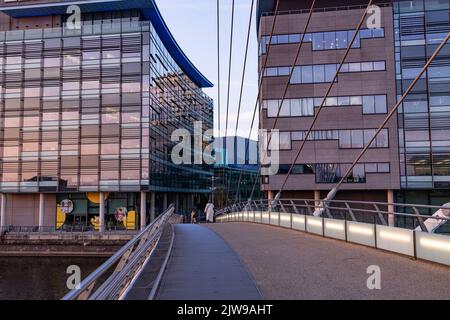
(148, 8)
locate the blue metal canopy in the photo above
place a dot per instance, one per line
(148, 8)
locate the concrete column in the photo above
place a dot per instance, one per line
(316, 199)
(41, 211)
(143, 210)
(102, 212)
(4, 213)
(152, 207)
(165, 201)
(391, 209)
(270, 195)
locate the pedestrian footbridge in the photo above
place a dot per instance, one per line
(282, 250)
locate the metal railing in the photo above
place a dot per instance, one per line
(128, 263)
(407, 216)
(66, 229)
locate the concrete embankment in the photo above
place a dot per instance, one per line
(82, 244)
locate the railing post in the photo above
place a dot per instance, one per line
(375, 231)
(345, 226)
(4, 214)
(41, 211)
(102, 212)
(391, 209)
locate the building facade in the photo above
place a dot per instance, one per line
(237, 163)
(88, 112)
(424, 119)
(369, 84)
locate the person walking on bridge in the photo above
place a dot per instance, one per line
(209, 212)
(194, 216)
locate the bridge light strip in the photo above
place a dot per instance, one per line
(440, 245)
(299, 219)
(366, 231)
(334, 226)
(315, 223)
(391, 235)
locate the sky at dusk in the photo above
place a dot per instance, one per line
(193, 24)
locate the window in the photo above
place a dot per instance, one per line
(368, 104)
(382, 139)
(356, 101)
(271, 72)
(330, 71)
(272, 108)
(330, 40)
(345, 140)
(357, 42)
(296, 75)
(378, 33)
(296, 107)
(357, 139)
(380, 104)
(307, 74)
(308, 107)
(51, 62)
(285, 110)
(343, 101)
(365, 33)
(383, 168)
(354, 67)
(70, 60)
(295, 38)
(379, 66)
(366, 66)
(284, 71)
(341, 40)
(318, 41)
(285, 140)
(319, 73)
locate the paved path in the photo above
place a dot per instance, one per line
(289, 264)
(203, 267)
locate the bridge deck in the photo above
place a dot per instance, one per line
(202, 266)
(288, 264)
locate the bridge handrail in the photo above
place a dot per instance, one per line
(83, 291)
(311, 205)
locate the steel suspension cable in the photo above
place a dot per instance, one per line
(245, 66)
(305, 138)
(218, 61)
(228, 90)
(286, 88)
(243, 74)
(259, 87)
(389, 116)
(230, 65)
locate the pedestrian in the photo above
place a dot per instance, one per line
(194, 216)
(209, 212)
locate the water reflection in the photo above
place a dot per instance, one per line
(40, 277)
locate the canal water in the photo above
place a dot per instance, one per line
(37, 278)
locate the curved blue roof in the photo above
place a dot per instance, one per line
(148, 8)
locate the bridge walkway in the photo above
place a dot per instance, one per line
(287, 264)
(202, 266)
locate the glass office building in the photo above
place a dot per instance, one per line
(92, 110)
(424, 119)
